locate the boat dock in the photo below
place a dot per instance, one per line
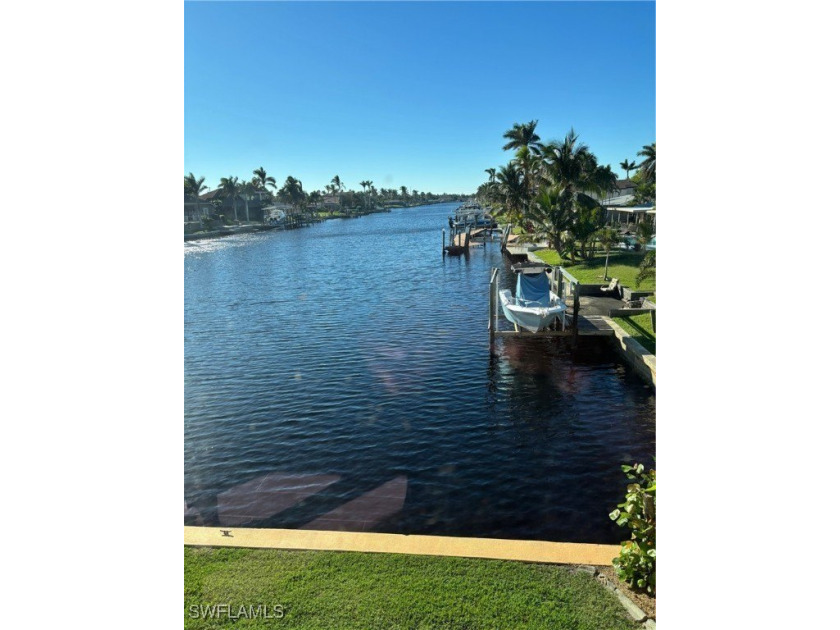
(588, 326)
(590, 317)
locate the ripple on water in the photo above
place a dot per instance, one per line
(352, 351)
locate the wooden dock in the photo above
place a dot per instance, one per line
(588, 326)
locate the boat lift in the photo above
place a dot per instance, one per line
(562, 283)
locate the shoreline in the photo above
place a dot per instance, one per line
(253, 226)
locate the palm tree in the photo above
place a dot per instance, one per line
(574, 168)
(246, 190)
(193, 188)
(522, 135)
(644, 232)
(648, 165)
(404, 193)
(647, 268)
(230, 185)
(263, 180)
(366, 186)
(553, 215)
(628, 166)
(339, 186)
(512, 191)
(293, 190)
(608, 237)
(492, 173)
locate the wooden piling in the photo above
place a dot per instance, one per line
(443, 241)
(490, 322)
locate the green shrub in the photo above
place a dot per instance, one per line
(636, 562)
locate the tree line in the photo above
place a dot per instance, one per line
(555, 189)
(292, 192)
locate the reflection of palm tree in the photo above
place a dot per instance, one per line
(230, 186)
(648, 165)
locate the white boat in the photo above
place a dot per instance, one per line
(471, 214)
(534, 307)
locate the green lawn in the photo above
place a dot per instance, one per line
(319, 589)
(640, 328)
(623, 265)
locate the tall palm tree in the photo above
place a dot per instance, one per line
(264, 180)
(574, 168)
(339, 186)
(628, 166)
(492, 173)
(648, 165)
(366, 186)
(404, 193)
(193, 188)
(247, 190)
(230, 186)
(522, 135)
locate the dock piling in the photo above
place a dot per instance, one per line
(492, 322)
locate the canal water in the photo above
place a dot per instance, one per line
(339, 377)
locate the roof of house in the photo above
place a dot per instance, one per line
(625, 183)
(213, 194)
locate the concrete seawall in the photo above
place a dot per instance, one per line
(636, 355)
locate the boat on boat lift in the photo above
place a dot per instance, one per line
(534, 307)
(472, 215)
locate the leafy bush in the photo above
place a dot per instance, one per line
(647, 268)
(636, 562)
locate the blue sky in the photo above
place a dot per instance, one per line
(409, 93)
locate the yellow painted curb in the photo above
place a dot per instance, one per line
(493, 548)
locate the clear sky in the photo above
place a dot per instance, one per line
(410, 93)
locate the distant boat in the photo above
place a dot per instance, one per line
(535, 307)
(472, 215)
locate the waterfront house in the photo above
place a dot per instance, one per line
(630, 215)
(626, 189)
(330, 203)
(226, 205)
(196, 212)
